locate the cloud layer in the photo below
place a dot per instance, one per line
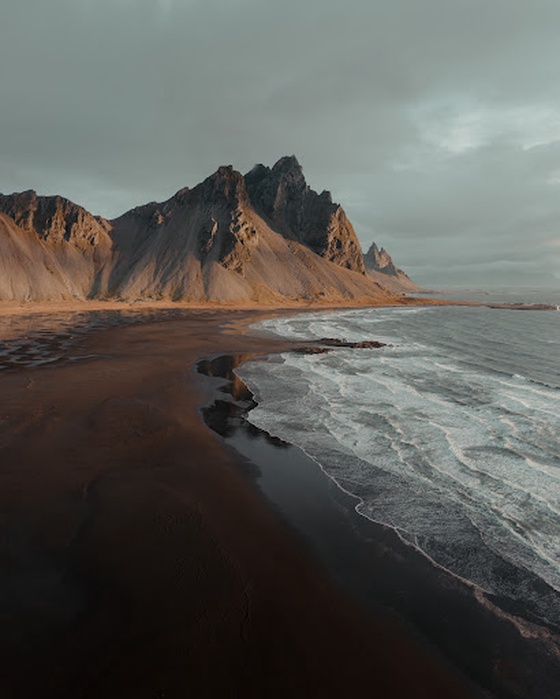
(435, 123)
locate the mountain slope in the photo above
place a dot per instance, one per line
(63, 245)
(30, 271)
(209, 243)
(266, 238)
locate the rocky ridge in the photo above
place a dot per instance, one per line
(50, 248)
(283, 197)
(56, 220)
(262, 237)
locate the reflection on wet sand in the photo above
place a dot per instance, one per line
(35, 340)
(225, 415)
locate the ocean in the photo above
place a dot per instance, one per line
(449, 435)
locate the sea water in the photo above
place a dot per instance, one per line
(449, 434)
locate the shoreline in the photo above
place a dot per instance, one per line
(505, 673)
(14, 308)
(137, 562)
(159, 569)
(17, 309)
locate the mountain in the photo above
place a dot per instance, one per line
(381, 268)
(263, 237)
(284, 199)
(50, 248)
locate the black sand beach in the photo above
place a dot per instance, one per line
(139, 557)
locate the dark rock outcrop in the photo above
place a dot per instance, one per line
(282, 196)
(328, 344)
(312, 350)
(361, 344)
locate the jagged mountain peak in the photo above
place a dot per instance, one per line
(26, 195)
(378, 259)
(51, 248)
(284, 165)
(381, 267)
(226, 185)
(55, 219)
(269, 188)
(287, 162)
(225, 189)
(282, 196)
(288, 168)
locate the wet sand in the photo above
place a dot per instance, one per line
(136, 559)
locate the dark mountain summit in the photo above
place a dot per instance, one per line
(282, 196)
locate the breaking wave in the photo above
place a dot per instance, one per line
(449, 435)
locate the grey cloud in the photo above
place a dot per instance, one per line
(116, 102)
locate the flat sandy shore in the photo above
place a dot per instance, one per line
(19, 308)
(138, 563)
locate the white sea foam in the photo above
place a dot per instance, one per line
(450, 435)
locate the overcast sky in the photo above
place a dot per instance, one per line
(435, 123)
